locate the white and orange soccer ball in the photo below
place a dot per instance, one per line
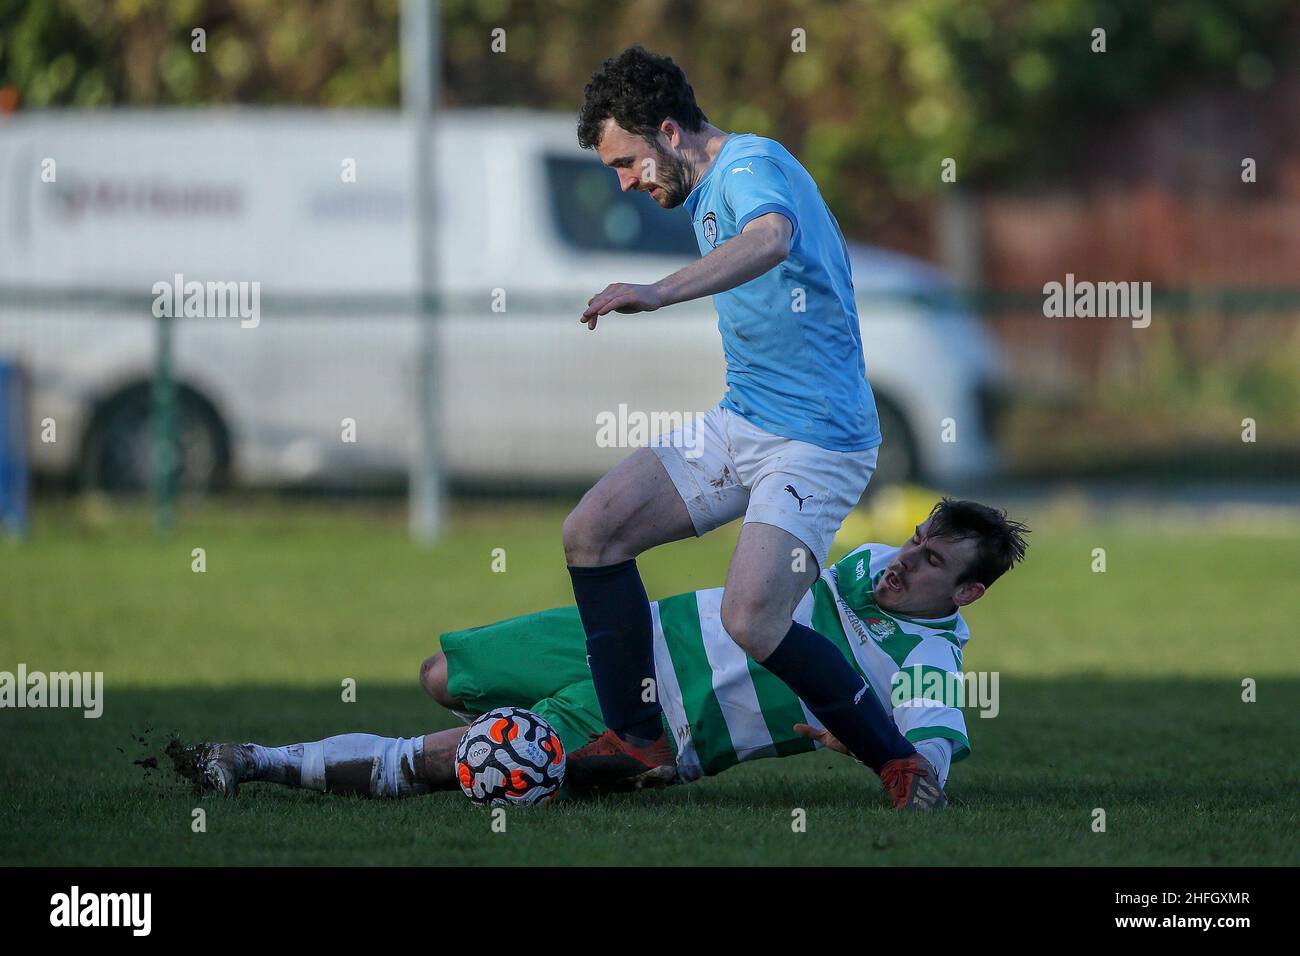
(510, 757)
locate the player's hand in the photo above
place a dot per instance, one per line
(620, 297)
(825, 737)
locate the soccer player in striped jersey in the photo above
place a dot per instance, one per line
(892, 613)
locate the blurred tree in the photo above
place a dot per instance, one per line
(883, 92)
(91, 53)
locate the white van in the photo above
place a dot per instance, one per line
(96, 208)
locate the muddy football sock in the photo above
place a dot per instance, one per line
(812, 667)
(282, 765)
(362, 764)
(615, 614)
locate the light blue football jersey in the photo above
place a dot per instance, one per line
(791, 338)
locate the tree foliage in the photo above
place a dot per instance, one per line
(884, 91)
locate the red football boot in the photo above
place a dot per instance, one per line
(611, 763)
(912, 784)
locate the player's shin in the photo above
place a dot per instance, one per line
(812, 667)
(615, 614)
(361, 764)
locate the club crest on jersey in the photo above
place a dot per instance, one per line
(710, 227)
(879, 627)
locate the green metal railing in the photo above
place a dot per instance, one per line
(166, 459)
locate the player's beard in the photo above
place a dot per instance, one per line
(675, 178)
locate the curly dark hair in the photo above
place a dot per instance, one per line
(999, 541)
(639, 89)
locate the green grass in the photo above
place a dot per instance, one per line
(1119, 691)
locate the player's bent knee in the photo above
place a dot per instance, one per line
(738, 619)
(428, 670)
(584, 536)
(433, 678)
(755, 625)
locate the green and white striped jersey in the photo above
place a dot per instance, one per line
(723, 708)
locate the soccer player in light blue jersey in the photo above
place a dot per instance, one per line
(790, 447)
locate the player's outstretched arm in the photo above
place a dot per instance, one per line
(761, 245)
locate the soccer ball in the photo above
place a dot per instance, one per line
(510, 757)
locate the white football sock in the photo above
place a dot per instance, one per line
(365, 764)
(280, 765)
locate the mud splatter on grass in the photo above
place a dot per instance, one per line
(145, 757)
(186, 760)
(154, 755)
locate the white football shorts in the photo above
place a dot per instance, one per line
(724, 466)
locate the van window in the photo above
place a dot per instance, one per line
(591, 213)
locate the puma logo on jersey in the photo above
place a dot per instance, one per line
(799, 498)
(747, 168)
(858, 699)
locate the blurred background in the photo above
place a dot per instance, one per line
(972, 151)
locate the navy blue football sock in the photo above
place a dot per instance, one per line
(615, 614)
(813, 668)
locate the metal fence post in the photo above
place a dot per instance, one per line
(166, 456)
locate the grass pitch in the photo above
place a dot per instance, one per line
(1119, 691)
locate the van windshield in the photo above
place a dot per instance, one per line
(591, 213)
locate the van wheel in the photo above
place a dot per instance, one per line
(898, 462)
(118, 454)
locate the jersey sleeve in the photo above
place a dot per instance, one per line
(754, 186)
(927, 694)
